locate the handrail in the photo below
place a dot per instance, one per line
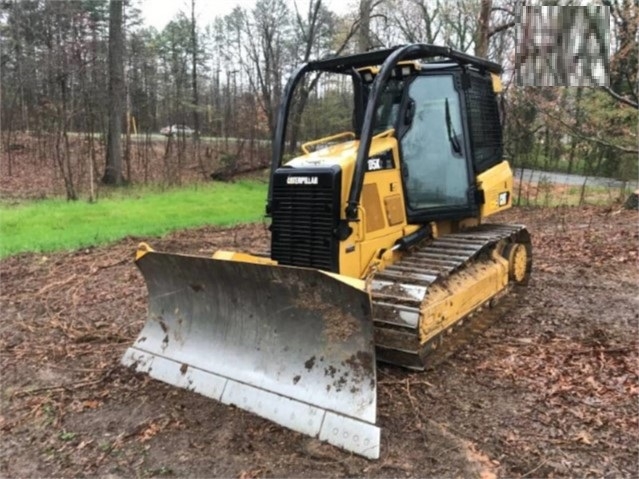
(326, 139)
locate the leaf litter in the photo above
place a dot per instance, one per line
(550, 390)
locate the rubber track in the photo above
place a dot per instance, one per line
(397, 293)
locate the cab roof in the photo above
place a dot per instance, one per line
(360, 60)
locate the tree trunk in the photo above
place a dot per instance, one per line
(113, 169)
(573, 138)
(196, 100)
(483, 29)
(63, 152)
(364, 32)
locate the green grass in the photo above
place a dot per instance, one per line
(55, 224)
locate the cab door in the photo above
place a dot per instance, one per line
(436, 166)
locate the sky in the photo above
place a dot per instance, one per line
(158, 13)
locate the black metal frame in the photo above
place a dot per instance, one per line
(388, 59)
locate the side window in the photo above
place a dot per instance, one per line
(485, 126)
(435, 168)
(388, 108)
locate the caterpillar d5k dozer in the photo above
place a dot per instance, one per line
(378, 248)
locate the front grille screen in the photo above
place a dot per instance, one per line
(305, 213)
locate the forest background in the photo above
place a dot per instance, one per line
(87, 86)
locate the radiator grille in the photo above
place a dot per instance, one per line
(304, 217)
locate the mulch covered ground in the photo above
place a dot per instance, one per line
(550, 390)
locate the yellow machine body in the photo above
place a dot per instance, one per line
(382, 207)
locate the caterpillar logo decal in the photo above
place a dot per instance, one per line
(301, 180)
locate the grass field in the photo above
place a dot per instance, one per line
(55, 224)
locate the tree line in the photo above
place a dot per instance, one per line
(93, 68)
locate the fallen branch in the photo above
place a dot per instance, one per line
(532, 471)
(110, 265)
(403, 382)
(47, 287)
(620, 98)
(63, 387)
(581, 136)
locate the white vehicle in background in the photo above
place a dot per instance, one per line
(180, 130)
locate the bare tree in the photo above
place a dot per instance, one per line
(113, 167)
(624, 64)
(194, 51)
(483, 28)
(265, 31)
(364, 32)
(417, 20)
(314, 34)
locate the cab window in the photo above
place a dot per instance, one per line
(434, 165)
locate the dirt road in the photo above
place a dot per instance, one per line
(549, 390)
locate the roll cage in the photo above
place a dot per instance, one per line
(364, 114)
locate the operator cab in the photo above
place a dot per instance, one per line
(424, 103)
(422, 135)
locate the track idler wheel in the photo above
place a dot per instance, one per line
(518, 256)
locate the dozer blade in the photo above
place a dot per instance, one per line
(292, 345)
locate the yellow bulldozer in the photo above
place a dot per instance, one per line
(378, 250)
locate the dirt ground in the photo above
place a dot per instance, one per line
(550, 390)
